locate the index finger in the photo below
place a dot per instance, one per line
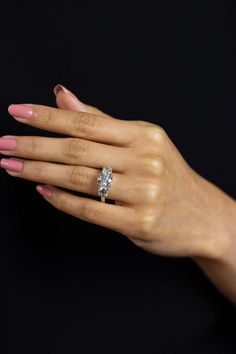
(83, 125)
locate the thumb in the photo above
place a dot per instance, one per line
(67, 100)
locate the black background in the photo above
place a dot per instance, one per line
(71, 287)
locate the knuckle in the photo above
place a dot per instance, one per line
(37, 171)
(62, 204)
(45, 116)
(145, 224)
(88, 211)
(31, 146)
(154, 165)
(75, 148)
(77, 177)
(156, 133)
(157, 166)
(150, 192)
(83, 123)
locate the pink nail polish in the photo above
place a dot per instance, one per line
(58, 88)
(13, 165)
(20, 111)
(45, 191)
(7, 144)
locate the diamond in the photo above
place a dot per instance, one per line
(104, 181)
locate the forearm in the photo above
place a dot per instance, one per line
(220, 266)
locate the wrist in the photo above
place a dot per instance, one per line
(221, 245)
(219, 261)
(225, 252)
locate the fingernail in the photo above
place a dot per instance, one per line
(58, 88)
(20, 111)
(7, 144)
(14, 165)
(45, 191)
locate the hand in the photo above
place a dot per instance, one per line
(161, 204)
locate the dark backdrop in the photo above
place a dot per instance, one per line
(71, 287)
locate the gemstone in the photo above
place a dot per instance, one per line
(104, 181)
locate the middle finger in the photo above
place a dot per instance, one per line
(72, 151)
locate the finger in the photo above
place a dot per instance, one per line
(84, 125)
(67, 100)
(72, 151)
(76, 178)
(114, 217)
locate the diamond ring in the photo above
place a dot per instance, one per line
(104, 182)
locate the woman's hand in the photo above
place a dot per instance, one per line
(161, 204)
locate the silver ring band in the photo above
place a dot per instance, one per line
(104, 181)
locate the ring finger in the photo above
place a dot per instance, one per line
(76, 178)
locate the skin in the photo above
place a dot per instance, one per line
(161, 204)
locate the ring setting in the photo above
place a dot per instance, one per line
(104, 181)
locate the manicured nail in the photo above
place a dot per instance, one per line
(58, 88)
(20, 111)
(7, 144)
(14, 165)
(45, 191)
